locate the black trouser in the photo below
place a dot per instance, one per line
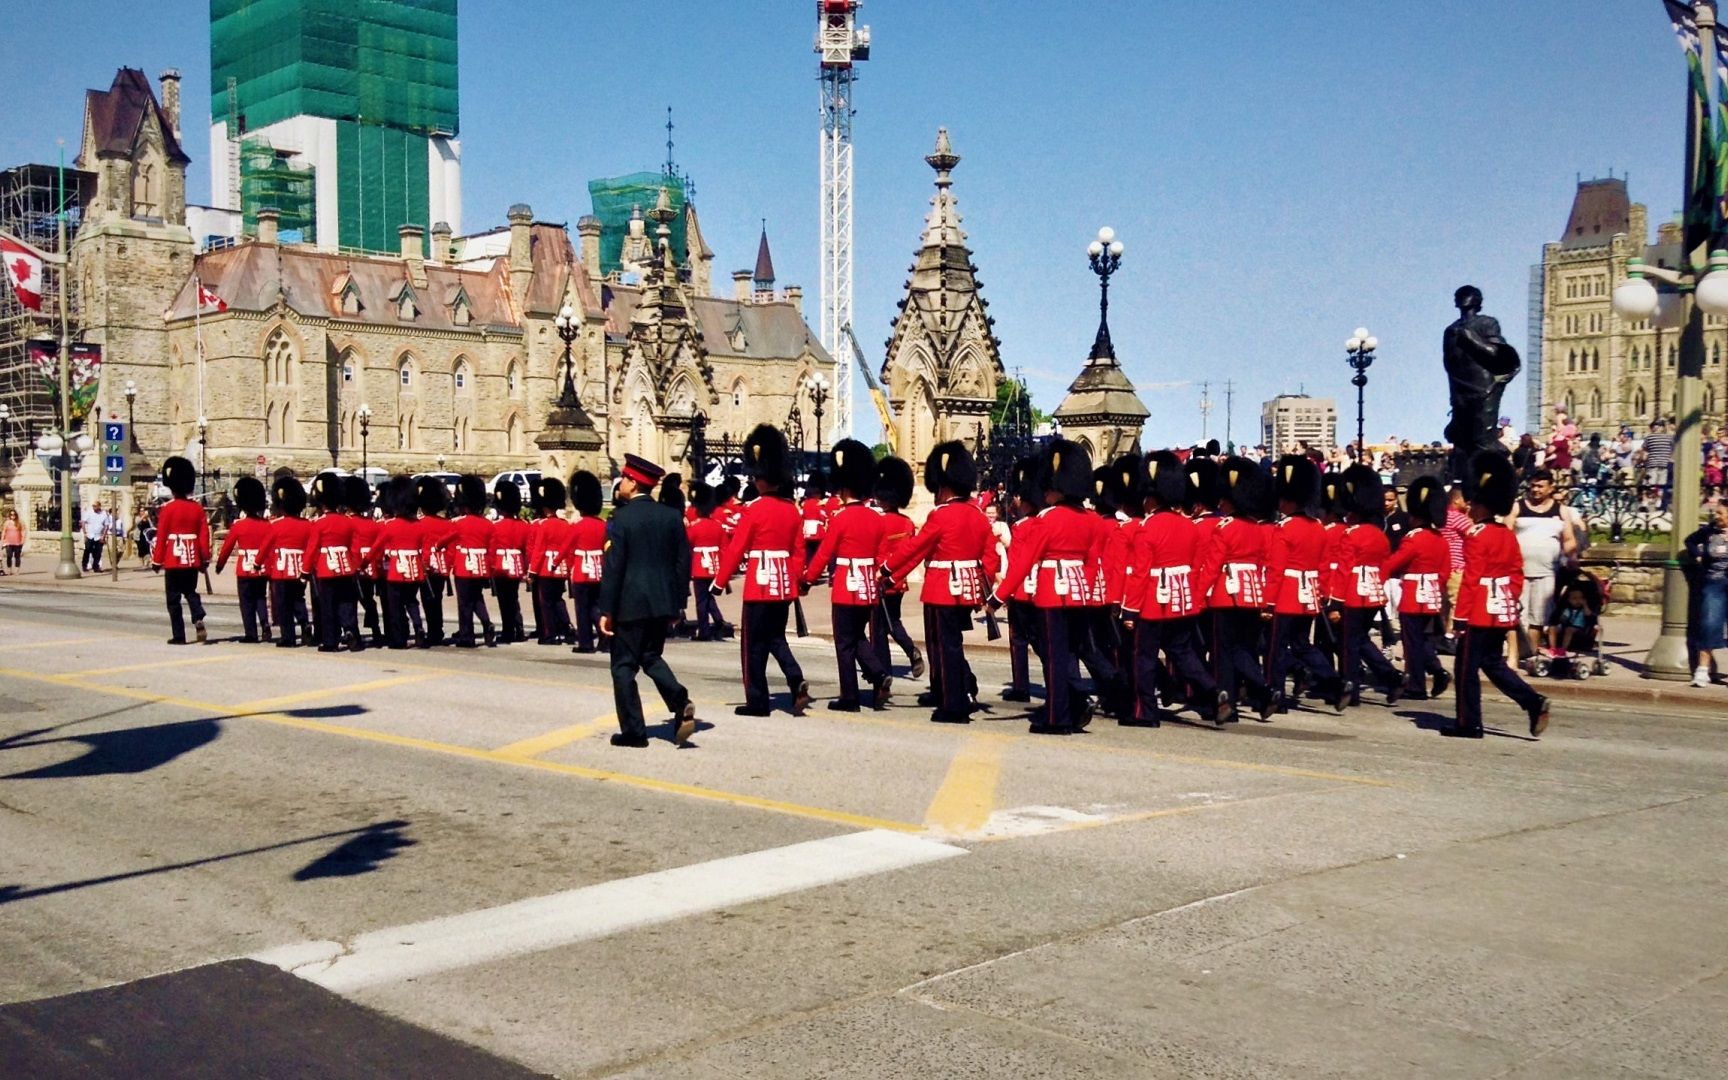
(254, 607)
(708, 617)
(368, 589)
(945, 626)
(1482, 650)
(851, 622)
(432, 596)
(1292, 641)
(471, 601)
(636, 646)
(1174, 638)
(402, 602)
(1235, 666)
(1361, 652)
(885, 624)
(92, 555)
(14, 556)
(586, 597)
(288, 610)
(1097, 650)
(337, 600)
(1022, 640)
(1420, 659)
(508, 590)
(551, 617)
(763, 635)
(1063, 694)
(177, 584)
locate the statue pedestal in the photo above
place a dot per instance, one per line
(570, 442)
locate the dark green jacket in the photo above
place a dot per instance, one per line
(646, 571)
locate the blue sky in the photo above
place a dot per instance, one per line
(1278, 180)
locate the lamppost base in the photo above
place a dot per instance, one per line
(68, 568)
(1669, 659)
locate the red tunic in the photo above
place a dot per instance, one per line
(365, 534)
(510, 548)
(1490, 594)
(897, 528)
(1329, 582)
(435, 533)
(1019, 535)
(469, 548)
(245, 541)
(1235, 564)
(330, 551)
(707, 538)
(815, 513)
(396, 551)
(1165, 582)
(961, 549)
(1118, 555)
(770, 537)
(548, 541)
(182, 537)
(584, 548)
(285, 551)
(853, 539)
(727, 514)
(1362, 550)
(1059, 558)
(1296, 566)
(1424, 561)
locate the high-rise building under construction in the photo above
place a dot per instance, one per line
(341, 114)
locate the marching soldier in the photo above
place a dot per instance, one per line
(1202, 474)
(357, 503)
(852, 540)
(769, 539)
(813, 508)
(548, 565)
(396, 562)
(245, 541)
(1422, 562)
(509, 560)
(1123, 488)
(433, 499)
(961, 553)
(706, 541)
(1235, 565)
(1296, 566)
(641, 590)
(468, 553)
(585, 546)
(893, 493)
(331, 558)
(284, 554)
(1025, 503)
(182, 549)
(1362, 550)
(1488, 601)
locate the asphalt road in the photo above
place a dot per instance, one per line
(447, 839)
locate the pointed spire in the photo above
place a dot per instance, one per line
(764, 276)
(942, 227)
(943, 159)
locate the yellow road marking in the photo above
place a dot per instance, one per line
(49, 644)
(91, 673)
(552, 740)
(968, 793)
(268, 704)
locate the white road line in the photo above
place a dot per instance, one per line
(547, 922)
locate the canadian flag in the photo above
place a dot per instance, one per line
(23, 270)
(209, 301)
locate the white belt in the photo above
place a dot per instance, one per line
(1057, 564)
(1160, 571)
(858, 562)
(960, 564)
(773, 555)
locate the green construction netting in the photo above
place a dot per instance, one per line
(387, 62)
(268, 179)
(381, 181)
(615, 199)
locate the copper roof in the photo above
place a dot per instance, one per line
(764, 262)
(115, 115)
(1599, 210)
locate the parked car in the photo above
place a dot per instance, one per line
(449, 479)
(524, 479)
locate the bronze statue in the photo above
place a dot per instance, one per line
(1479, 364)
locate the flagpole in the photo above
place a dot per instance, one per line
(68, 567)
(203, 421)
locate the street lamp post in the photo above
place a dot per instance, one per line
(5, 434)
(364, 412)
(568, 328)
(1105, 255)
(1359, 352)
(818, 399)
(204, 462)
(131, 432)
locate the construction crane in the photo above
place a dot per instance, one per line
(890, 435)
(842, 44)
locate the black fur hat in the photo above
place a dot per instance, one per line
(249, 496)
(585, 493)
(288, 496)
(326, 493)
(1202, 473)
(1065, 468)
(179, 476)
(1165, 479)
(1247, 487)
(549, 495)
(1332, 497)
(702, 497)
(1103, 498)
(357, 495)
(471, 494)
(430, 495)
(854, 468)
(950, 466)
(672, 491)
(397, 497)
(1124, 483)
(893, 483)
(1297, 480)
(507, 497)
(1362, 492)
(1024, 483)
(768, 458)
(1493, 483)
(1425, 499)
(816, 486)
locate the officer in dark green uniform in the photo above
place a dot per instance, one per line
(644, 576)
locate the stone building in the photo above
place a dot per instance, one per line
(1289, 419)
(1604, 371)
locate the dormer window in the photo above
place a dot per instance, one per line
(347, 294)
(735, 336)
(461, 311)
(403, 298)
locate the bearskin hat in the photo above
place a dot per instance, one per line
(1362, 492)
(1332, 493)
(430, 495)
(1165, 479)
(1247, 487)
(179, 476)
(357, 495)
(1202, 473)
(397, 498)
(950, 466)
(471, 494)
(703, 499)
(249, 496)
(672, 491)
(854, 467)
(1103, 499)
(549, 495)
(326, 492)
(816, 485)
(1124, 482)
(585, 494)
(507, 497)
(1493, 483)
(769, 459)
(1065, 468)
(893, 483)
(1024, 481)
(1425, 499)
(1297, 480)
(288, 496)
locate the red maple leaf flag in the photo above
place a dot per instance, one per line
(209, 301)
(24, 270)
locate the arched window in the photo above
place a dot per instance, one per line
(513, 379)
(1595, 404)
(405, 372)
(463, 375)
(739, 394)
(1595, 359)
(1716, 355)
(1572, 360)
(405, 431)
(289, 435)
(1640, 402)
(459, 435)
(1709, 399)
(513, 434)
(1569, 404)
(1673, 353)
(279, 366)
(270, 438)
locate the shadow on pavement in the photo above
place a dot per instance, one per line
(361, 854)
(129, 750)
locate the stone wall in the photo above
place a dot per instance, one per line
(1635, 572)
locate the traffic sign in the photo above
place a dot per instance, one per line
(113, 431)
(116, 446)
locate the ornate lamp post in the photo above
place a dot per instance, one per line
(699, 445)
(1105, 254)
(5, 433)
(131, 432)
(203, 461)
(1359, 352)
(440, 462)
(568, 328)
(818, 398)
(364, 413)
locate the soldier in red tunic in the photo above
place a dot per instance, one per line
(1122, 490)
(357, 504)
(1488, 601)
(284, 554)
(1296, 569)
(893, 493)
(1235, 565)
(331, 558)
(1362, 550)
(396, 562)
(813, 508)
(707, 539)
(585, 550)
(769, 545)
(182, 549)
(468, 553)
(853, 542)
(959, 553)
(1025, 501)
(433, 498)
(1423, 562)
(245, 541)
(548, 566)
(509, 560)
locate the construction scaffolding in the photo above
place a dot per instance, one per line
(270, 178)
(616, 199)
(29, 195)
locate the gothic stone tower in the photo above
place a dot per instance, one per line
(943, 362)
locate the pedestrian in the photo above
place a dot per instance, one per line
(12, 538)
(283, 555)
(769, 537)
(586, 543)
(1659, 462)
(1422, 563)
(245, 541)
(1488, 602)
(549, 563)
(641, 590)
(433, 499)
(893, 493)
(332, 559)
(97, 524)
(468, 553)
(509, 560)
(852, 541)
(1362, 550)
(1707, 550)
(184, 550)
(1295, 564)
(706, 541)
(1547, 533)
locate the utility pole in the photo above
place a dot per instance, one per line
(1205, 409)
(68, 567)
(1229, 414)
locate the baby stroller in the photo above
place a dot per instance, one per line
(1574, 630)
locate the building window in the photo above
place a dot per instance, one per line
(1640, 403)
(1572, 361)
(407, 373)
(512, 383)
(1716, 355)
(1595, 404)
(738, 394)
(347, 371)
(1595, 359)
(462, 375)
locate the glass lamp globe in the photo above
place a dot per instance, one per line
(1353, 344)
(1106, 235)
(1635, 298)
(49, 443)
(1094, 249)
(82, 443)
(1361, 332)
(1712, 291)
(1371, 343)
(1116, 248)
